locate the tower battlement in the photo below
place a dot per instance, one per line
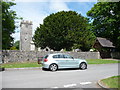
(26, 22)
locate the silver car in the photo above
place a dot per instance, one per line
(57, 61)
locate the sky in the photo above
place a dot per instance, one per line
(37, 10)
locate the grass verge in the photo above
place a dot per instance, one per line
(35, 64)
(21, 65)
(112, 82)
(101, 61)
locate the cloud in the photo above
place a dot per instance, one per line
(56, 0)
(58, 6)
(37, 11)
(16, 36)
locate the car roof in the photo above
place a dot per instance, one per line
(55, 53)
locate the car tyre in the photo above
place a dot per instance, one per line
(53, 67)
(44, 69)
(83, 66)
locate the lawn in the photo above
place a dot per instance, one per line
(101, 61)
(112, 82)
(21, 64)
(35, 64)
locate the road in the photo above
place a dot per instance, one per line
(60, 79)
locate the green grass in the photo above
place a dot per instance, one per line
(35, 64)
(21, 65)
(112, 82)
(101, 61)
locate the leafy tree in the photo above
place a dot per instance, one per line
(64, 30)
(13, 48)
(16, 44)
(8, 24)
(106, 19)
(0, 25)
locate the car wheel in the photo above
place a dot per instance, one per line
(83, 66)
(53, 67)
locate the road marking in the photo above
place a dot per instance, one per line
(69, 85)
(54, 87)
(84, 83)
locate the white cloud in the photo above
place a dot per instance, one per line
(16, 36)
(58, 6)
(56, 0)
(31, 0)
(36, 12)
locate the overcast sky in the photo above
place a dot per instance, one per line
(37, 10)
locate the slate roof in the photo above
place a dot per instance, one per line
(105, 42)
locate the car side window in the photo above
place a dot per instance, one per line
(61, 56)
(58, 56)
(67, 56)
(55, 56)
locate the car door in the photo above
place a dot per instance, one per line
(60, 60)
(70, 62)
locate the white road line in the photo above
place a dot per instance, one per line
(84, 83)
(72, 85)
(69, 85)
(54, 87)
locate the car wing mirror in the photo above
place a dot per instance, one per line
(72, 57)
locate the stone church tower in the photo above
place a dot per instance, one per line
(25, 35)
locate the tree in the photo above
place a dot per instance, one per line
(64, 30)
(13, 48)
(16, 44)
(106, 19)
(8, 24)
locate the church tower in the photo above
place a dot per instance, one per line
(25, 35)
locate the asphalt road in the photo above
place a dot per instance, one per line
(60, 79)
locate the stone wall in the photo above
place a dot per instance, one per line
(0, 57)
(115, 55)
(13, 56)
